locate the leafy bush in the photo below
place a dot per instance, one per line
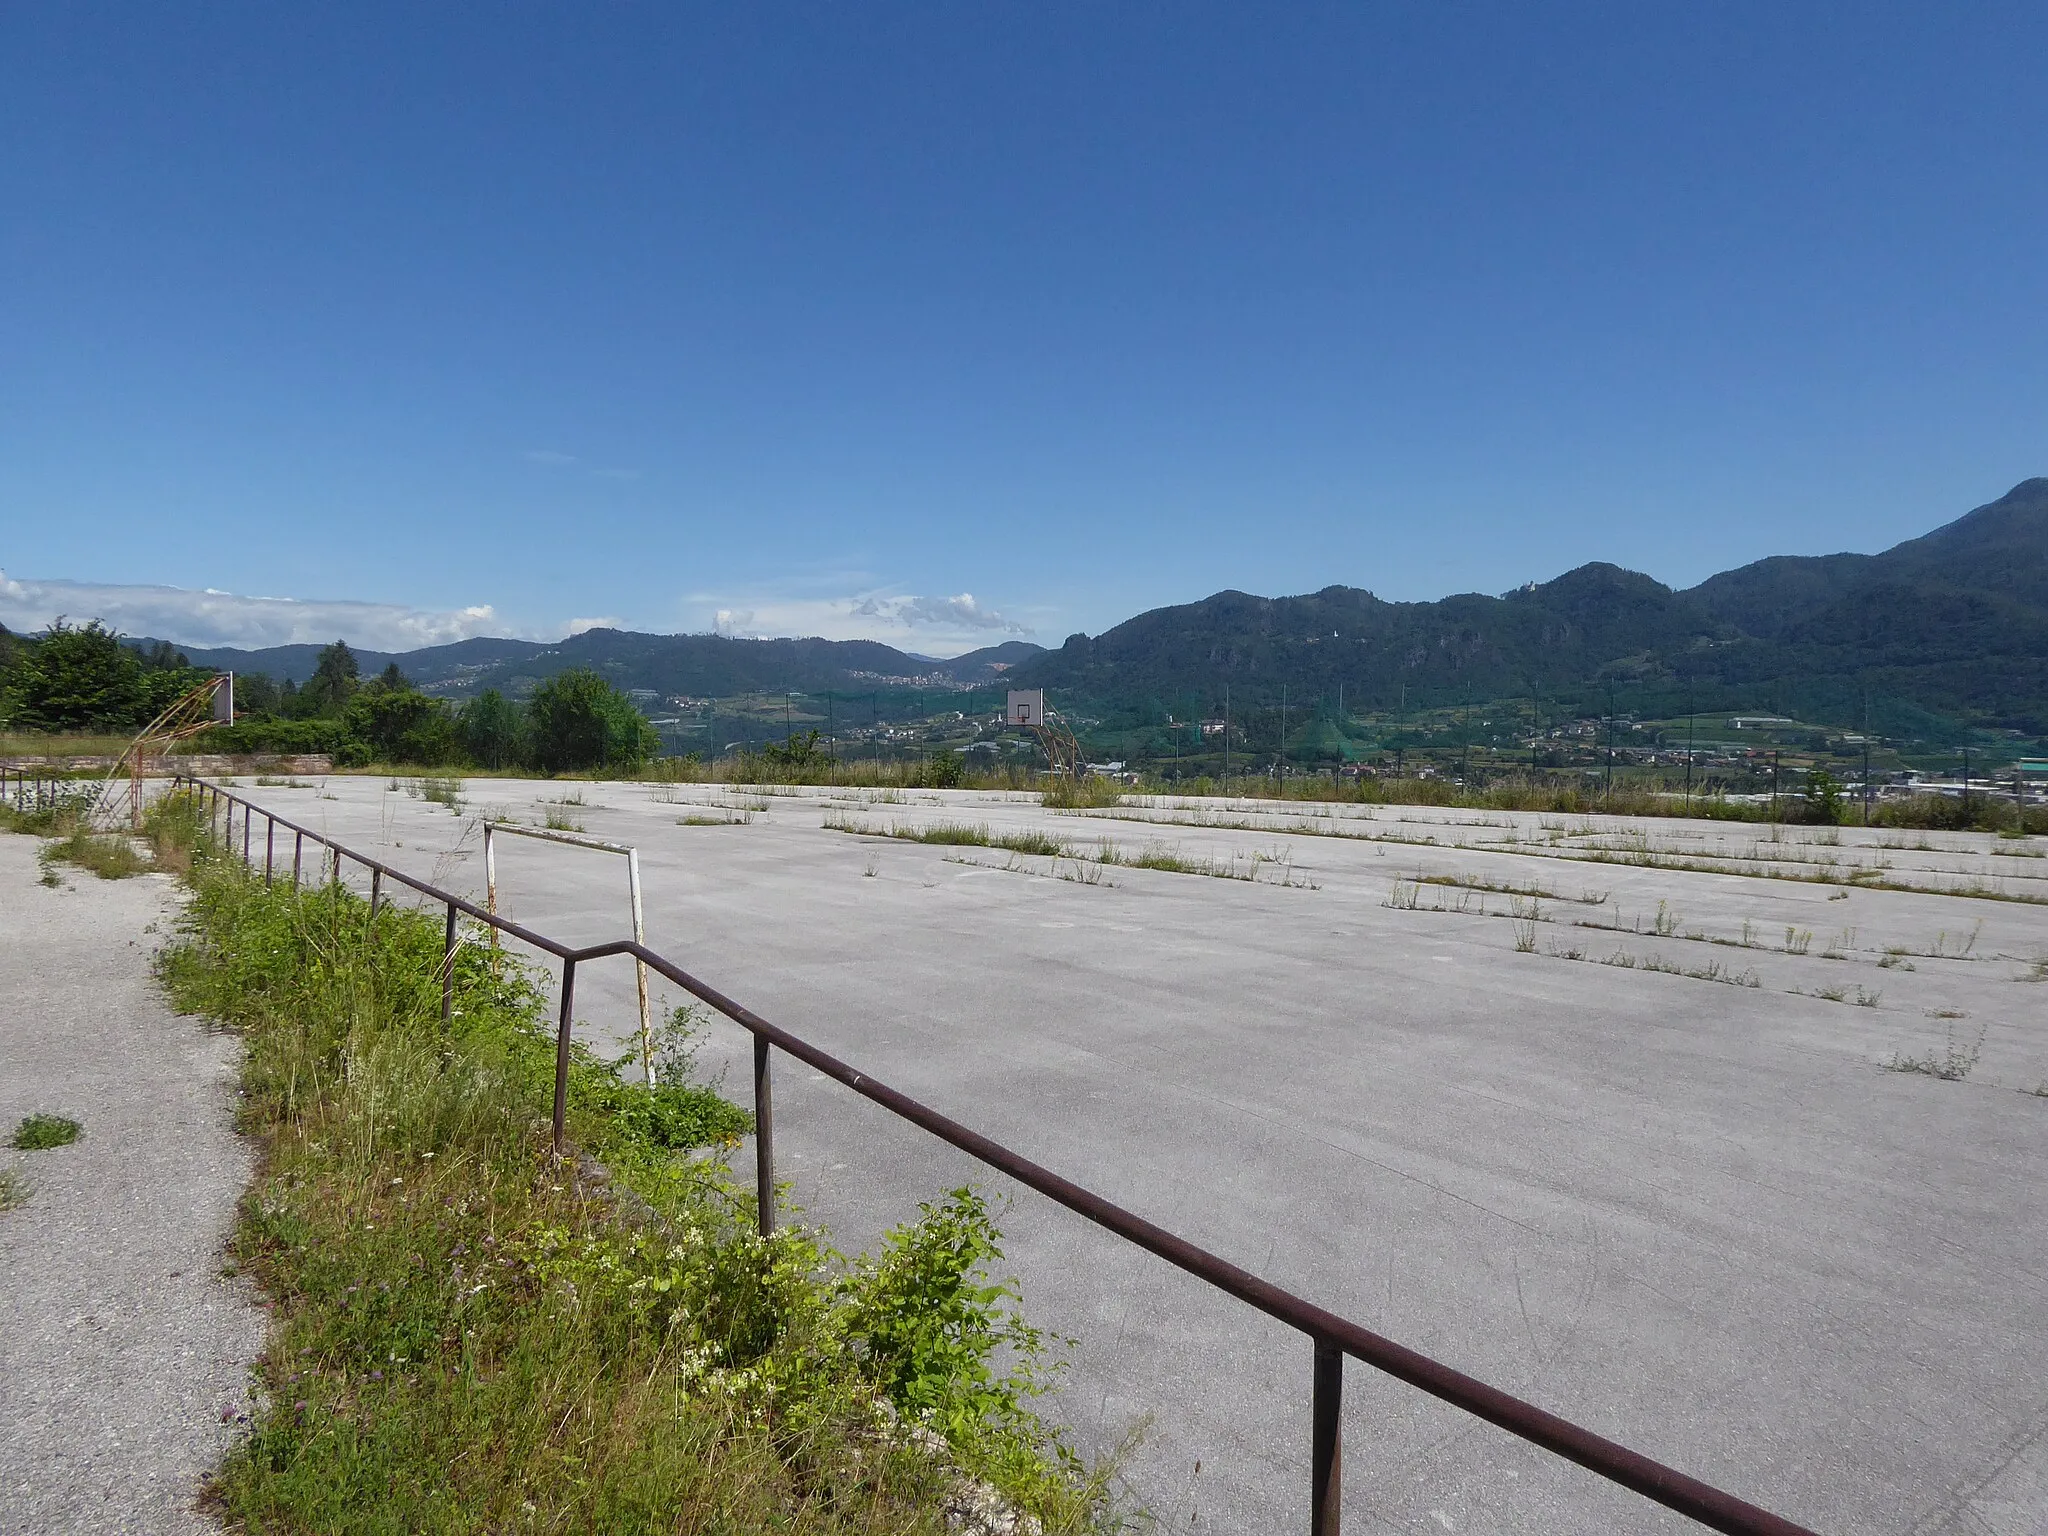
(580, 721)
(287, 737)
(402, 725)
(944, 769)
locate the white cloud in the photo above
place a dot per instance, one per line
(937, 626)
(211, 617)
(577, 626)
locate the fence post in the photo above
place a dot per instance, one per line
(448, 970)
(298, 854)
(562, 1050)
(247, 811)
(764, 1140)
(1326, 1443)
(269, 846)
(640, 966)
(376, 889)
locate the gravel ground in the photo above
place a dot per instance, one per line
(124, 1356)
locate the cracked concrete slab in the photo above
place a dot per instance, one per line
(1701, 1218)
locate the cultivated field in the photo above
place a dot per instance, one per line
(1726, 1144)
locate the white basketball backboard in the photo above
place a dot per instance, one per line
(224, 700)
(1027, 707)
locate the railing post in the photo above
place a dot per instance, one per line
(562, 1050)
(247, 812)
(269, 846)
(764, 1140)
(376, 890)
(448, 969)
(298, 854)
(640, 966)
(1326, 1443)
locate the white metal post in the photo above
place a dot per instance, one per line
(632, 856)
(491, 890)
(640, 966)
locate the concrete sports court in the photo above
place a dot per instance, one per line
(1728, 1146)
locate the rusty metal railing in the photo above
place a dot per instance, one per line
(1331, 1337)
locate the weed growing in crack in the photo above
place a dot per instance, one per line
(1951, 1066)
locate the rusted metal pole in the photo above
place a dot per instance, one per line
(377, 891)
(764, 1140)
(269, 846)
(298, 854)
(562, 1051)
(1326, 1443)
(448, 970)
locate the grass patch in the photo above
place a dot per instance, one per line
(953, 834)
(110, 855)
(439, 789)
(1091, 792)
(469, 1337)
(1033, 842)
(39, 1133)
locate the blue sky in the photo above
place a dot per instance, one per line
(825, 318)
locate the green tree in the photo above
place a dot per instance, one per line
(335, 679)
(1823, 797)
(256, 694)
(402, 725)
(76, 679)
(578, 721)
(799, 754)
(492, 731)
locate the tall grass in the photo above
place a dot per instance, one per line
(471, 1337)
(1986, 812)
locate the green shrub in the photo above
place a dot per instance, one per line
(943, 769)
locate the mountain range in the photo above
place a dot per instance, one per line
(1949, 629)
(1940, 633)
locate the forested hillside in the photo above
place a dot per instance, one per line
(1949, 627)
